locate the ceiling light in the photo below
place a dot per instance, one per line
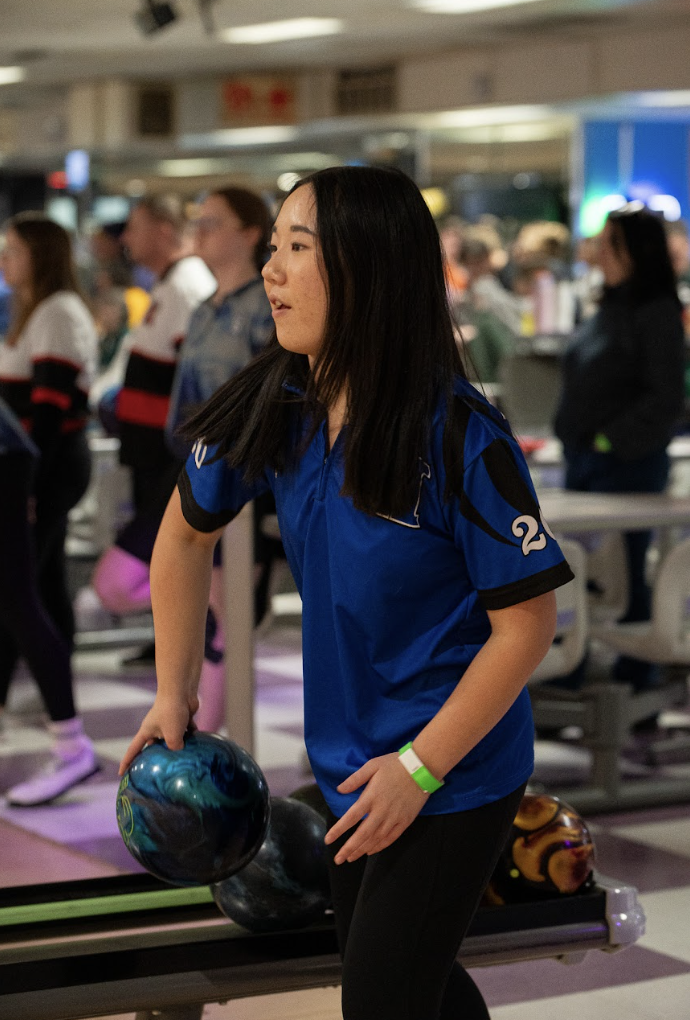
(464, 6)
(238, 137)
(676, 97)
(10, 75)
(546, 132)
(200, 167)
(481, 116)
(282, 31)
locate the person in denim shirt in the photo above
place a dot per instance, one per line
(223, 337)
(225, 332)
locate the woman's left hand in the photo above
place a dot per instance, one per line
(390, 801)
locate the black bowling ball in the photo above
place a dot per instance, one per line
(311, 794)
(286, 884)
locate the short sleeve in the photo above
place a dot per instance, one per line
(212, 493)
(510, 553)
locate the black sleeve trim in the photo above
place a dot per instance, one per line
(526, 588)
(196, 516)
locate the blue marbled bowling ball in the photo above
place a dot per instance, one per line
(195, 816)
(286, 885)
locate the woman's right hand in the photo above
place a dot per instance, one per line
(167, 719)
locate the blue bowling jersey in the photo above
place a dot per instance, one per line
(394, 610)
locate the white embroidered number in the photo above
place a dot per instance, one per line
(527, 528)
(199, 450)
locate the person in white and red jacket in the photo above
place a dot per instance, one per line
(157, 238)
(47, 364)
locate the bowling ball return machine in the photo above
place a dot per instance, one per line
(131, 943)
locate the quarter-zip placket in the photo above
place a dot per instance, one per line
(327, 461)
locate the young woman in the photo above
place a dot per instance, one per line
(426, 574)
(47, 364)
(234, 323)
(623, 388)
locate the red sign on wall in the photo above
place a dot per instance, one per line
(259, 99)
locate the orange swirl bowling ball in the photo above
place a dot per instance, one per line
(549, 853)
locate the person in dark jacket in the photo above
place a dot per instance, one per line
(622, 393)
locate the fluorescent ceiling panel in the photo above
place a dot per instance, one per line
(501, 133)
(481, 116)
(10, 75)
(464, 6)
(282, 31)
(677, 97)
(239, 137)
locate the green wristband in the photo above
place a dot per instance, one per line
(602, 443)
(419, 772)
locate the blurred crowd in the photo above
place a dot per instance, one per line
(507, 283)
(167, 307)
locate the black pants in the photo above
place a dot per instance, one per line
(35, 611)
(58, 491)
(402, 914)
(152, 488)
(589, 471)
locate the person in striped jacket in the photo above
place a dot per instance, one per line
(158, 239)
(47, 364)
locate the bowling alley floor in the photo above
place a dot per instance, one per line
(78, 838)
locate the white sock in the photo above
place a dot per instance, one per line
(69, 739)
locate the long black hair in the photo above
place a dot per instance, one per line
(641, 234)
(388, 343)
